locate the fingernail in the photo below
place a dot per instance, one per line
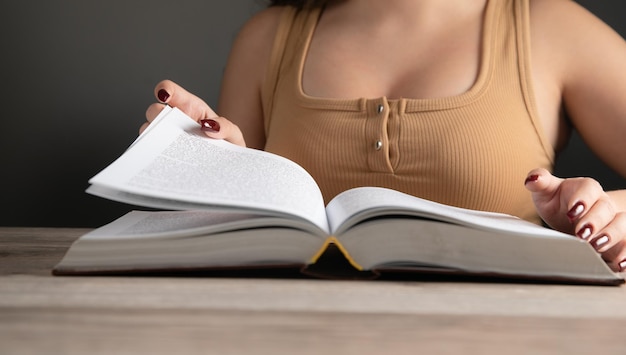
(163, 95)
(209, 125)
(531, 178)
(576, 211)
(598, 243)
(622, 266)
(585, 232)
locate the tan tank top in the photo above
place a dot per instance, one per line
(473, 150)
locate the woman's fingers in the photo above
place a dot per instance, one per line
(221, 128)
(610, 243)
(582, 207)
(563, 202)
(589, 220)
(169, 93)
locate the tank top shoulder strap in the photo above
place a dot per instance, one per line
(522, 30)
(290, 29)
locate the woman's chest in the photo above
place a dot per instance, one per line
(429, 63)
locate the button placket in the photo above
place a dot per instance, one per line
(376, 135)
(380, 109)
(396, 112)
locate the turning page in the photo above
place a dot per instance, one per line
(173, 165)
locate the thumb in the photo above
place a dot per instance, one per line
(542, 184)
(168, 92)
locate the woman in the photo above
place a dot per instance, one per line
(458, 101)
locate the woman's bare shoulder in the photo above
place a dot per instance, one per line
(567, 24)
(259, 31)
(251, 50)
(572, 44)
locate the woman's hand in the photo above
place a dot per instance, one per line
(170, 93)
(581, 207)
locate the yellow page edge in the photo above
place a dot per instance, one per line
(344, 251)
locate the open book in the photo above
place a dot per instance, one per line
(233, 207)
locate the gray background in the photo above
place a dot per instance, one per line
(77, 76)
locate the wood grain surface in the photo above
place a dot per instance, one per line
(43, 314)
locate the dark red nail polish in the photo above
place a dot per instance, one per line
(209, 125)
(576, 211)
(622, 265)
(531, 178)
(600, 242)
(163, 95)
(585, 232)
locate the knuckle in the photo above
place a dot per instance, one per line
(616, 229)
(606, 205)
(592, 184)
(620, 220)
(586, 183)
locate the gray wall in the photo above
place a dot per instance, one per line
(77, 76)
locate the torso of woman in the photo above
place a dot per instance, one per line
(444, 112)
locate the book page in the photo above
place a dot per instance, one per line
(170, 224)
(175, 161)
(144, 225)
(359, 204)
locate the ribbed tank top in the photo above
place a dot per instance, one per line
(472, 150)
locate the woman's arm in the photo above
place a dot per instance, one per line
(240, 97)
(583, 61)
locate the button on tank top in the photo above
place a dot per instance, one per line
(472, 150)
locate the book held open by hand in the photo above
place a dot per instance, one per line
(225, 207)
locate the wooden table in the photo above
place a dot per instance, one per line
(43, 314)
